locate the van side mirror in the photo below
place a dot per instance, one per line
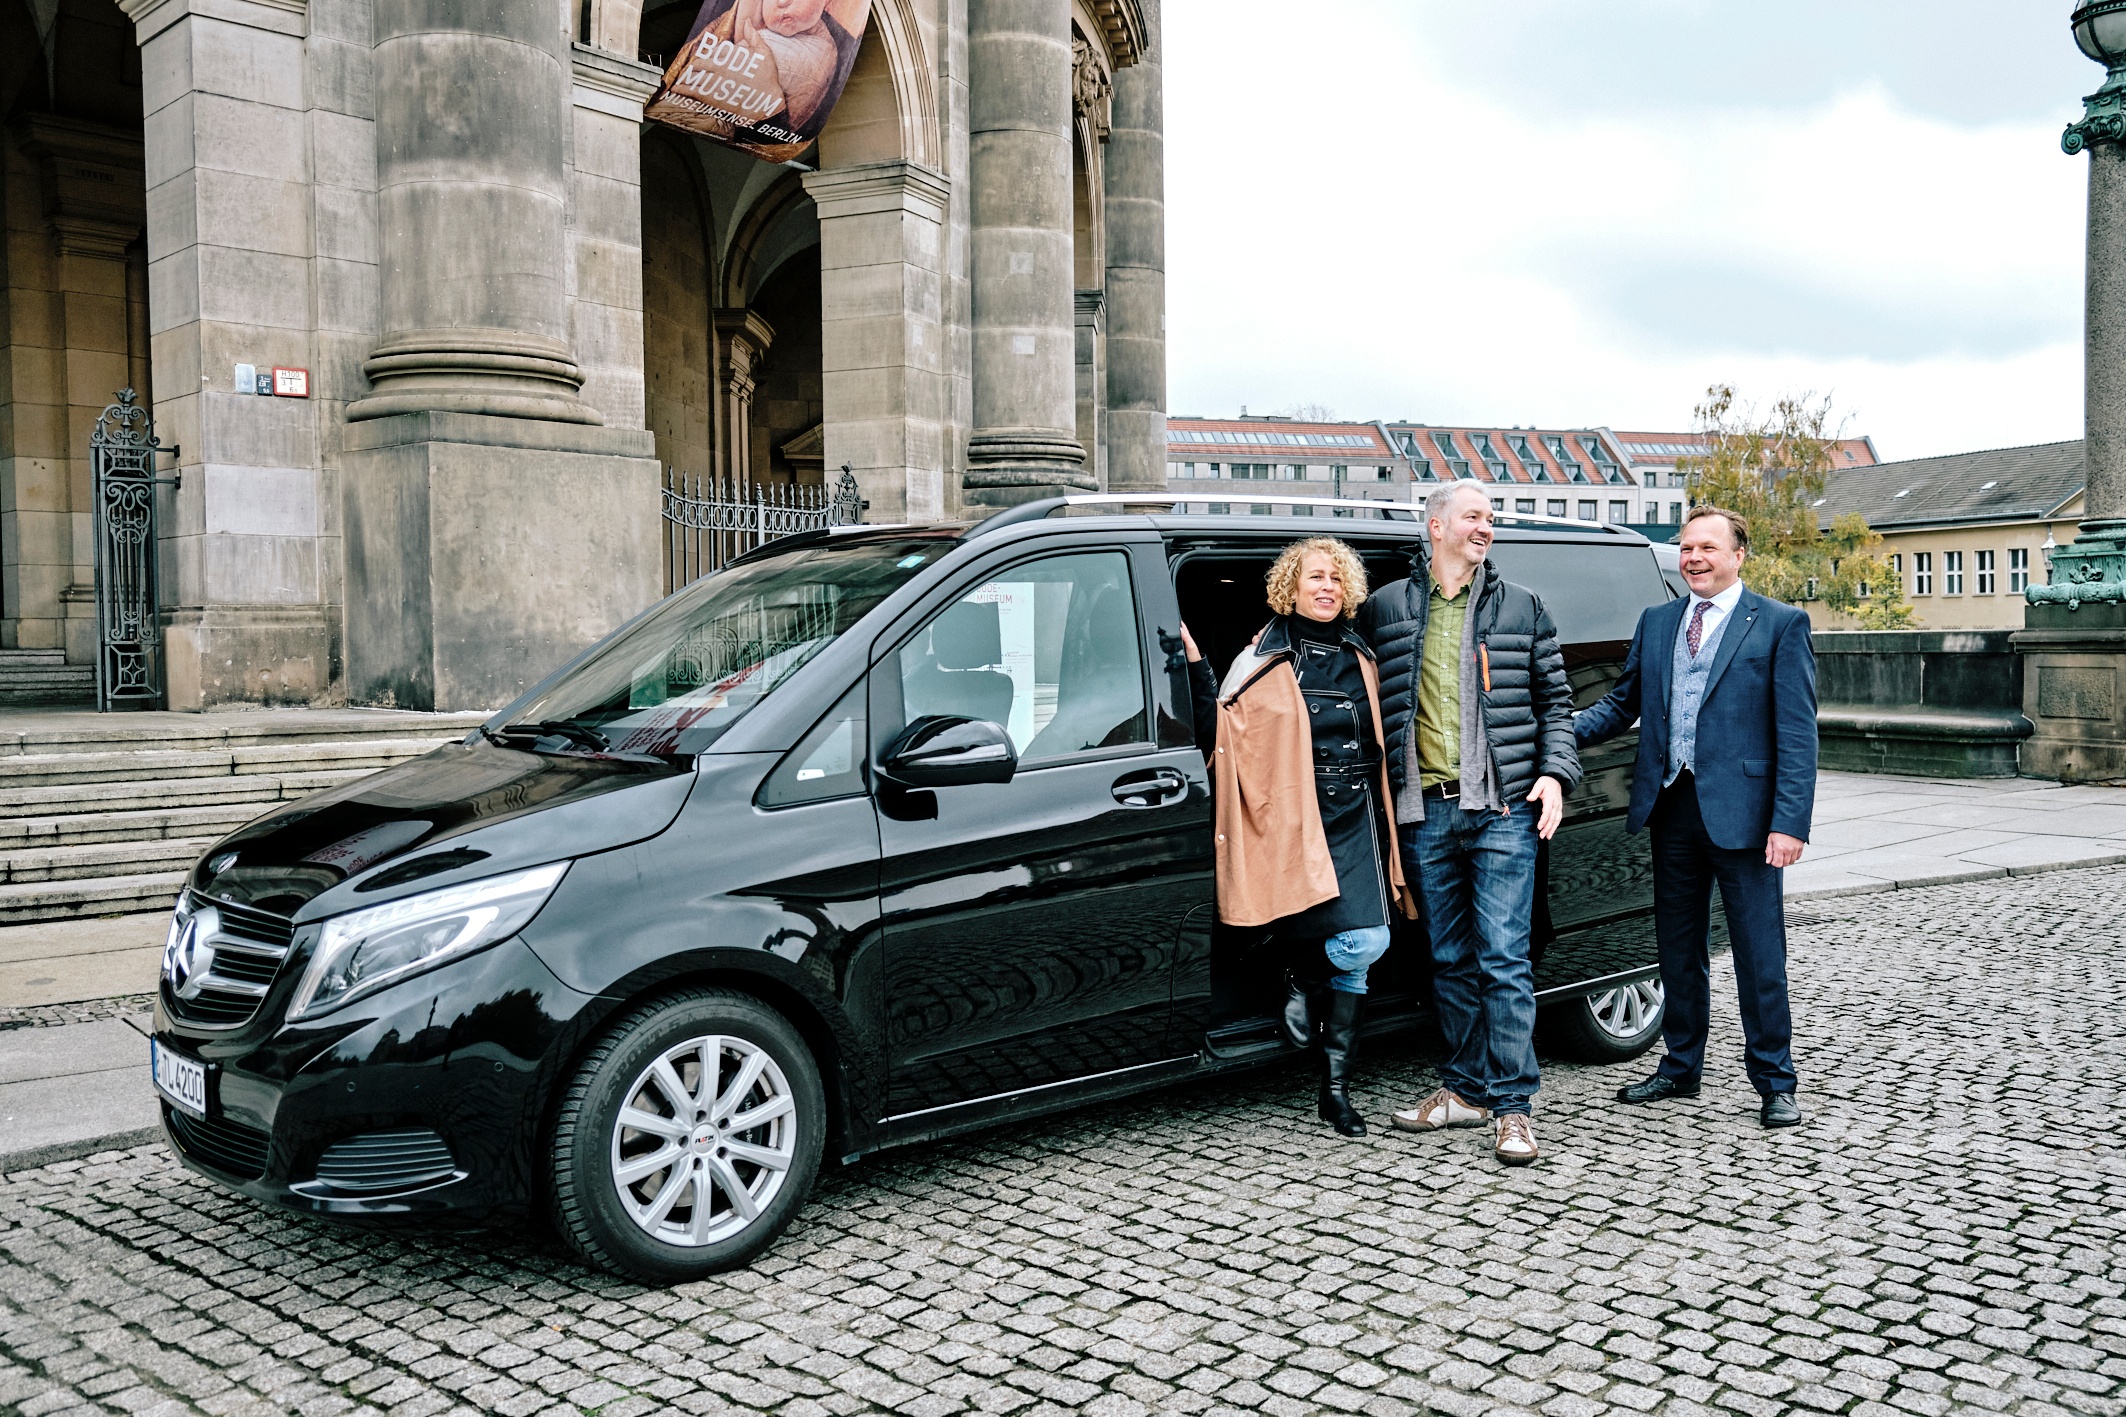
(945, 750)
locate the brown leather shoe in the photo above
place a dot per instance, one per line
(1443, 1108)
(1514, 1143)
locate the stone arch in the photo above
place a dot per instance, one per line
(753, 239)
(678, 289)
(73, 312)
(616, 27)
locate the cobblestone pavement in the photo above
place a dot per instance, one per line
(80, 1011)
(1946, 1233)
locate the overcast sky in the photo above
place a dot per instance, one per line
(1578, 212)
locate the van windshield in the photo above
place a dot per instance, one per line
(675, 682)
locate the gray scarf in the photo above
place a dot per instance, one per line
(1479, 785)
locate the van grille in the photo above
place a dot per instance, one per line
(229, 1147)
(386, 1161)
(244, 950)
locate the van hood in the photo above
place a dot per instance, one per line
(462, 812)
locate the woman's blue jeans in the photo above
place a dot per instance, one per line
(1351, 954)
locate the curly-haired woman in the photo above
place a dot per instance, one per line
(1304, 845)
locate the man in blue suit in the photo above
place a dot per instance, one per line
(1723, 686)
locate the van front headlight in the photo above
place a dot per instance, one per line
(365, 949)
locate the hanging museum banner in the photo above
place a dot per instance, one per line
(762, 75)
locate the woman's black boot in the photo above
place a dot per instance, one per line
(1339, 1044)
(1302, 1008)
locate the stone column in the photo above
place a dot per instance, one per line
(491, 528)
(1023, 444)
(882, 233)
(473, 117)
(1136, 272)
(742, 337)
(1092, 379)
(259, 162)
(2074, 635)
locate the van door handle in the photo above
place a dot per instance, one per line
(1155, 787)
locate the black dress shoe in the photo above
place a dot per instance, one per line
(1781, 1110)
(1658, 1088)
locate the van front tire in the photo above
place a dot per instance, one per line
(687, 1138)
(1611, 1025)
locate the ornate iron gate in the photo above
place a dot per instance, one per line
(710, 522)
(122, 452)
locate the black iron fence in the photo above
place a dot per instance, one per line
(711, 521)
(122, 453)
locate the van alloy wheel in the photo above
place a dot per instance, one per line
(1625, 1012)
(704, 1141)
(1611, 1025)
(688, 1136)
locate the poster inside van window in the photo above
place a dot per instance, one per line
(762, 75)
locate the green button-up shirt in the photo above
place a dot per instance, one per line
(1439, 689)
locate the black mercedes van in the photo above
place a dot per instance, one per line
(875, 835)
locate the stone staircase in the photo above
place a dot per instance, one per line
(42, 676)
(104, 814)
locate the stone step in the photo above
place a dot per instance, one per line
(71, 799)
(211, 822)
(9, 658)
(29, 674)
(42, 734)
(106, 858)
(163, 765)
(103, 895)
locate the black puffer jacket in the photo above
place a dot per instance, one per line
(1527, 718)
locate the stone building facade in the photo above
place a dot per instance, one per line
(518, 306)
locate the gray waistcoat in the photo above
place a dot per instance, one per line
(1686, 688)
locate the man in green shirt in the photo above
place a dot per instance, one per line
(1480, 755)
(1439, 688)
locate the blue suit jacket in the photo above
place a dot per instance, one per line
(1756, 755)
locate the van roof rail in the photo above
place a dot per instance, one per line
(1176, 501)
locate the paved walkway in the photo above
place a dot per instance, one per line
(1893, 833)
(68, 988)
(1945, 1235)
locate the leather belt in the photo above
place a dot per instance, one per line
(1447, 791)
(1366, 769)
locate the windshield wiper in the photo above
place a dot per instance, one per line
(575, 733)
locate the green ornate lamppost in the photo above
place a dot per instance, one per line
(2093, 568)
(2073, 640)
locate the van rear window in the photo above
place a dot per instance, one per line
(1592, 592)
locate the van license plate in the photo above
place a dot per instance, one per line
(183, 1080)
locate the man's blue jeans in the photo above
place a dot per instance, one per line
(1475, 873)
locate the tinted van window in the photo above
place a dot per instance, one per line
(1592, 592)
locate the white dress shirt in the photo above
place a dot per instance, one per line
(1716, 612)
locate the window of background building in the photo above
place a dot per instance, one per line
(1557, 507)
(1524, 504)
(1984, 567)
(1952, 573)
(2018, 572)
(1922, 573)
(1380, 474)
(1498, 504)
(1338, 474)
(1214, 470)
(1620, 512)
(1675, 514)
(1588, 512)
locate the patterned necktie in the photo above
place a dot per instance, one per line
(1695, 636)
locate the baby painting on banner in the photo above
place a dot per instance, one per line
(762, 75)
